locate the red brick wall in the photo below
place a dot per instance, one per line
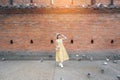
(4, 2)
(42, 28)
(58, 2)
(21, 1)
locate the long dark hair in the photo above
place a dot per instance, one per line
(58, 36)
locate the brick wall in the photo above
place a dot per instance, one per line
(35, 32)
(4, 2)
(58, 2)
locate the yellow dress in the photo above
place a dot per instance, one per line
(61, 53)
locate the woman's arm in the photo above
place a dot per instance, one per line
(63, 37)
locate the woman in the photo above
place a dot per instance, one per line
(61, 53)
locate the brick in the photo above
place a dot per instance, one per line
(42, 28)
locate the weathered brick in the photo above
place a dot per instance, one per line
(42, 28)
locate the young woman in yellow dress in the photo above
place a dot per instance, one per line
(61, 53)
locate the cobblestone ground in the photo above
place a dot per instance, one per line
(49, 70)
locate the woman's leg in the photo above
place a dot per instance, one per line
(61, 64)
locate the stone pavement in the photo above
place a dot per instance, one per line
(49, 70)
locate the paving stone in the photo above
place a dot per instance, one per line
(49, 70)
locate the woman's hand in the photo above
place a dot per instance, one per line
(64, 37)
